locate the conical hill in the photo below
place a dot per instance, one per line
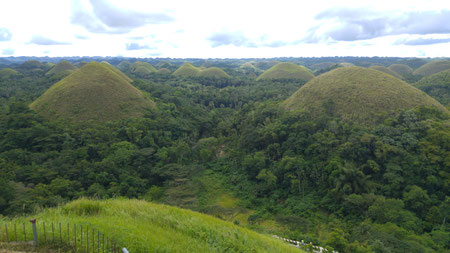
(432, 68)
(62, 68)
(358, 95)
(187, 70)
(287, 70)
(213, 72)
(386, 70)
(401, 69)
(94, 92)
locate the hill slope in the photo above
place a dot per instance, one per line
(94, 92)
(401, 69)
(62, 68)
(118, 72)
(286, 70)
(386, 70)
(8, 73)
(142, 226)
(437, 86)
(142, 68)
(213, 72)
(187, 70)
(432, 68)
(359, 95)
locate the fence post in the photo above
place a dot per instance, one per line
(35, 236)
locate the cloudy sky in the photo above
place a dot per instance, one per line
(225, 29)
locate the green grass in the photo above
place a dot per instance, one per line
(94, 92)
(401, 69)
(8, 73)
(359, 95)
(142, 226)
(62, 68)
(432, 68)
(142, 68)
(124, 65)
(386, 70)
(118, 72)
(187, 70)
(437, 86)
(213, 72)
(346, 64)
(286, 70)
(163, 71)
(322, 65)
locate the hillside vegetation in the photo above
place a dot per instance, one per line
(187, 70)
(142, 226)
(401, 69)
(8, 73)
(62, 68)
(213, 72)
(432, 68)
(437, 86)
(358, 95)
(142, 68)
(286, 70)
(386, 70)
(94, 92)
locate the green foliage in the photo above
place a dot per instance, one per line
(437, 86)
(7, 73)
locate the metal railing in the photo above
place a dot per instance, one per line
(71, 237)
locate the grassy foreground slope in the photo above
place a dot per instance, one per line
(359, 95)
(287, 70)
(142, 226)
(94, 92)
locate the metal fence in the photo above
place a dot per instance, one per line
(71, 237)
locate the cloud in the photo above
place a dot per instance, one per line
(421, 41)
(229, 38)
(137, 46)
(345, 24)
(41, 40)
(8, 51)
(5, 34)
(107, 18)
(81, 37)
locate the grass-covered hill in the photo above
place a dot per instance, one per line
(187, 70)
(94, 92)
(142, 226)
(7, 73)
(359, 95)
(213, 72)
(163, 71)
(401, 69)
(142, 68)
(118, 72)
(346, 64)
(124, 65)
(286, 70)
(437, 86)
(62, 68)
(386, 70)
(432, 68)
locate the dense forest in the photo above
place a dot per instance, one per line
(227, 147)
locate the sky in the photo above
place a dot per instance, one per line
(225, 29)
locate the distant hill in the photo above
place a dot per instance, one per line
(163, 71)
(142, 68)
(7, 73)
(346, 64)
(322, 65)
(437, 86)
(401, 69)
(359, 95)
(432, 68)
(164, 64)
(124, 65)
(286, 70)
(386, 70)
(213, 72)
(94, 92)
(187, 70)
(63, 68)
(142, 226)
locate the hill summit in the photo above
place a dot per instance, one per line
(94, 92)
(213, 72)
(62, 68)
(187, 70)
(432, 68)
(359, 95)
(287, 70)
